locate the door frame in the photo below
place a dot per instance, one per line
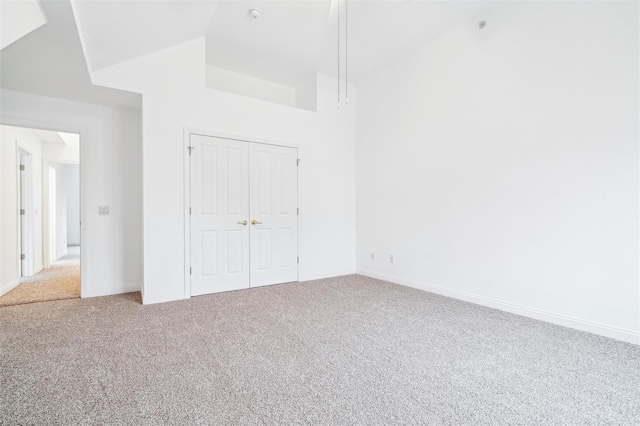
(187, 132)
(82, 131)
(49, 227)
(26, 221)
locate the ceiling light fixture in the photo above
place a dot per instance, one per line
(255, 13)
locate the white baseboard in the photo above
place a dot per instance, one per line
(8, 287)
(321, 275)
(38, 269)
(112, 290)
(558, 319)
(61, 255)
(164, 297)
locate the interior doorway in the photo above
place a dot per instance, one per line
(52, 214)
(40, 215)
(64, 210)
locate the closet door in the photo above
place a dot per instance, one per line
(274, 214)
(219, 214)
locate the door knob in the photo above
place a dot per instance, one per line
(242, 222)
(255, 222)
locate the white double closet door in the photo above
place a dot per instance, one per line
(244, 207)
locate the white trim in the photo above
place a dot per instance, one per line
(241, 138)
(25, 201)
(558, 319)
(187, 216)
(18, 226)
(8, 287)
(38, 269)
(113, 290)
(325, 274)
(164, 297)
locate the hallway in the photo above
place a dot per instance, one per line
(61, 281)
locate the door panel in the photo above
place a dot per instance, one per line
(219, 203)
(274, 201)
(232, 182)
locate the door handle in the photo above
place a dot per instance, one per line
(255, 222)
(242, 222)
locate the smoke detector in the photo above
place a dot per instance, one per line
(255, 13)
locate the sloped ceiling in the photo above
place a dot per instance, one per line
(115, 31)
(49, 61)
(291, 39)
(49, 136)
(19, 18)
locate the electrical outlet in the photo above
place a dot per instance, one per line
(103, 210)
(390, 258)
(372, 256)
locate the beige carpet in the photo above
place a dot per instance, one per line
(61, 281)
(341, 351)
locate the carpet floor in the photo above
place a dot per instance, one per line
(60, 281)
(347, 350)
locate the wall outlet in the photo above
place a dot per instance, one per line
(390, 258)
(372, 256)
(103, 210)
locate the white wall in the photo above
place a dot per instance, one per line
(245, 85)
(61, 210)
(501, 166)
(10, 139)
(110, 145)
(175, 97)
(73, 204)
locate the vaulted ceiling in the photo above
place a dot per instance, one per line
(49, 61)
(291, 39)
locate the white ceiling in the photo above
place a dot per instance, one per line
(49, 136)
(292, 39)
(115, 31)
(19, 18)
(49, 61)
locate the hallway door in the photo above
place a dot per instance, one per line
(219, 215)
(274, 217)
